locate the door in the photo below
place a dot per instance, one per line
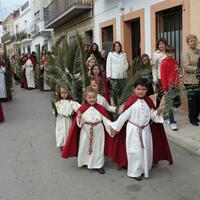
(135, 31)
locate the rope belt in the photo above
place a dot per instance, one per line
(92, 124)
(140, 132)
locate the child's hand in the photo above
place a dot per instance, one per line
(159, 110)
(79, 117)
(116, 110)
(113, 133)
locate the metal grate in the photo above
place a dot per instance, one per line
(169, 26)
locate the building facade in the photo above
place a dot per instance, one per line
(24, 29)
(41, 37)
(139, 23)
(70, 16)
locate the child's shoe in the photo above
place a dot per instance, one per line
(101, 171)
(174, 127)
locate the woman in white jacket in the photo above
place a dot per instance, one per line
(116, 68)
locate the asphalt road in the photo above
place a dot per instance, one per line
(31, 167)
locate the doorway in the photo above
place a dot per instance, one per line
(135, 34)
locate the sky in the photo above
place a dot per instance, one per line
(7, 6)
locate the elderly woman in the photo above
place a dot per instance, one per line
(157, 59)
(190, 60)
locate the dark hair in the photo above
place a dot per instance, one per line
(100, 73)
(169, 49)
(161, 40)
(113, 48)
(93, 45)
(142, 57)
(141, 82)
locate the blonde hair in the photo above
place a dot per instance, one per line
(191, 36)
(88, 90)
(91, 58)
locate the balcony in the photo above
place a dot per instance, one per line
(62, 11)
(7, 38)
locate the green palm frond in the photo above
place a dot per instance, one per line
(67, 68)
(135, 71)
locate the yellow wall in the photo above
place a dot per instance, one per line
(194, 17)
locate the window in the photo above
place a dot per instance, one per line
(107, 38)
(72, 39)
(169, 26)
(37, 16)
(24, 6)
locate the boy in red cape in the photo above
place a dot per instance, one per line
(140, 142)
(87, 138)
(1, 114)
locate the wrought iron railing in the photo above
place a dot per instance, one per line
(58, 7)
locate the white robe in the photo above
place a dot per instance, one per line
(96, 159)
(139, 159)
(102, 101)
(65, 109)
(29, 74)
(2, 82)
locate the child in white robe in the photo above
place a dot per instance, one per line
(65, 109)
(139, 147)
(97, 85)
(29, 72)
(93, 141)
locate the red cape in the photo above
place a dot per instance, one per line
(161, 150)
(1, 114)
(106, 93)
(71, 147)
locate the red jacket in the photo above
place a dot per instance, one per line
(169, 74)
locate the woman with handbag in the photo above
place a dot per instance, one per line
(190, 60)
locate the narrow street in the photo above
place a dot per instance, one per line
(31, 167)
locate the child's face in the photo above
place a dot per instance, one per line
(63, 93)
(91, 98)
(145, 60)
(170, 55)
(140, 91)
(96, 70)
(94, 86)
(91, 63)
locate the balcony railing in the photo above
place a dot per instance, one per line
(60, 11)
(5, 38)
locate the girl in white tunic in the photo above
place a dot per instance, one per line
(2, 82)
(93, 140)
(29, 73)
(65, 109)
(97, 85)
(138, 133)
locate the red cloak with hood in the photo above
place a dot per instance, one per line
(71, 146)
(1, 114)
(161, 150)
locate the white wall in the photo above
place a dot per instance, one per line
(109, 9)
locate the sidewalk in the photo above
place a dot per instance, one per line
(188, 136)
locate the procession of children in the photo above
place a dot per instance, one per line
(135, 140)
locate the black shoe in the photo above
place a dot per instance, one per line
(198, 120)
(139, 178)
(194, 123)
(101, 171)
